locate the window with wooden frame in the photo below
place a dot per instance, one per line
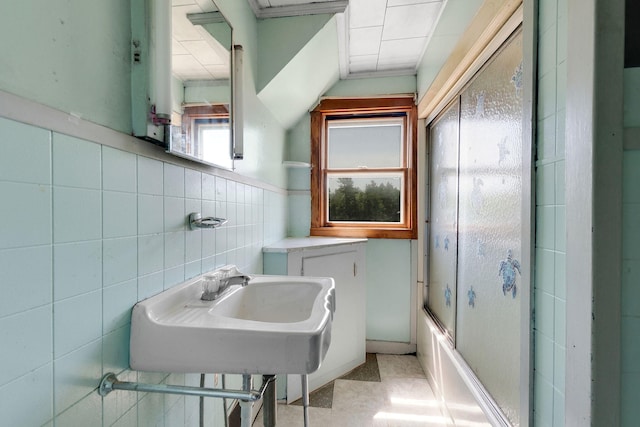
(363, 176)
(207, 134)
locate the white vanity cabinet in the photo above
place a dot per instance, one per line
(344, 260)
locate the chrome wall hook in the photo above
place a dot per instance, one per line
(197, 221)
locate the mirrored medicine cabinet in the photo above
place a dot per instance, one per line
(193, 79)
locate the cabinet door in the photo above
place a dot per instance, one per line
(347, 349)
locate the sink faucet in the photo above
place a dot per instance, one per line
(217, 283)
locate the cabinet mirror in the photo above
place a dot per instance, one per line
(202, 83)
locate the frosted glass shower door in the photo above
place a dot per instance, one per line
(490, 233)
(443, 216)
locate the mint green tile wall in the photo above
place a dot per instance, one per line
(549, 287)
(631, 258)
(87, 230)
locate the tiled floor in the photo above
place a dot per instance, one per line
(401, 397)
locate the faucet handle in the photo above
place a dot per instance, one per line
(210, 287)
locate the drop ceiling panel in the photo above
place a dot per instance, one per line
(276, 3)
(367, 13)
(392, 3)
(177, 48)
(365, 41)
(183, 29)
(406, 67)
(186, 67)
(218, 71)
(363, 63)
(380, 35)
(203, 52)
(403, 22)
(196, 55)
(205, 5)
(400, 51)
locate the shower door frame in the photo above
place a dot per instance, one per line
(524, 16)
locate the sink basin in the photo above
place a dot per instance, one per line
(273, 325)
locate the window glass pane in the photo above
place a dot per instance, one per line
(364, 144)
(365, 198)
(443, 210)
(490, 263)
(213, 138)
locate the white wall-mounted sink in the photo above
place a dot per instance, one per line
(273, 325)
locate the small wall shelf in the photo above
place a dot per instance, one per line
(294, 164)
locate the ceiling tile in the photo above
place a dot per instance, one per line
(177, 48)
(276, 3)
(410, 21)
(383, 35)
(182, 2)
(396, 66)
(203, 53)
(363, 63)
(366, 13)
(182, 27)
(218, 72)
(392, 3)
(206, 5)
(362, 68)
(365, 41)
(401, 51)
(213, 42)
(186, 67)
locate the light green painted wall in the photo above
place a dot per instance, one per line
(631, 258)
(299, 178)
(277, 45)
(218, 94)
(72, 55)
(451, 25)
(389, 267)
(299, 141)
(296, 87)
